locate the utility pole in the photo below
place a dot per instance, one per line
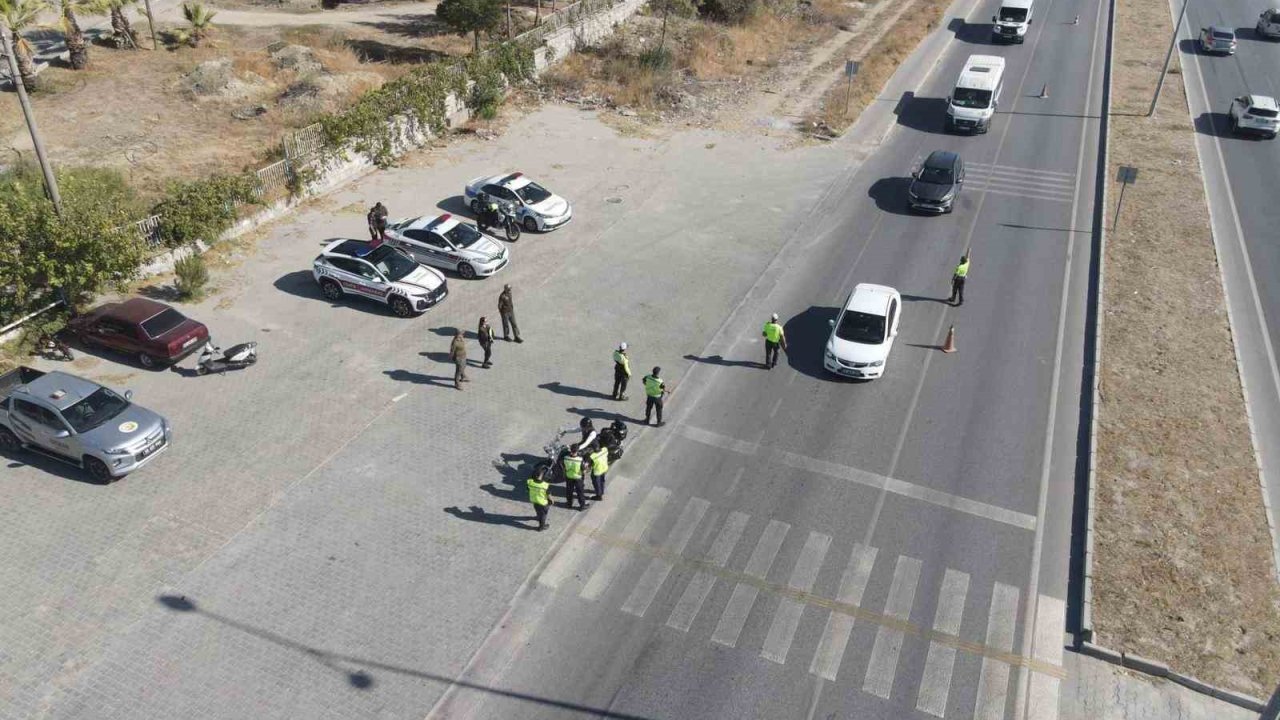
(662, 37)
(50, 182)
(151, 23)
(1167, 57)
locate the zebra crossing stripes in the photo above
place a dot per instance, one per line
(616, 556)
(695, 593)
(935, 686)
(659, 568)
(884, 653)
(835, 636)
(1044, 692)
(565, 562)
(1021, 182)
(993, 679)
(783, 630)
(744, 596)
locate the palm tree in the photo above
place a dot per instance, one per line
(20, 15)
(121, 28)
(77, 48)
(200, 20)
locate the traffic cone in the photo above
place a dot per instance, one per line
(1044, 92)
(949, 345)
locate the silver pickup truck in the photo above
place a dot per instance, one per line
(79, 422)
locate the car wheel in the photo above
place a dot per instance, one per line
(8, 441)
(331, 290)
(147, 361)
(400, 307)
(530, 224)
(97, 470)
(466, 271)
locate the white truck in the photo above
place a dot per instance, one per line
(972, 104)
(1012, 21)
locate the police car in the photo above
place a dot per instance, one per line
(445, 242)
(536, 207)
(378, 272)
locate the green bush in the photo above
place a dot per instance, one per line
(191, 275)
(202, 209)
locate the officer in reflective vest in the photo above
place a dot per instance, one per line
(774, 338)
(599, 466)
(573, 479)
(957, 281)
(655, 390)
(538, 487)
(621, 372)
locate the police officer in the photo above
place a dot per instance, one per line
(485, 331)
(573, 478)
(655, 390)
(458, 354)
(774, 338)
(507, 310)
(599, 466)
(488, 217)
(621, 372)
(377, 222)
(538, 487)
(957, 281)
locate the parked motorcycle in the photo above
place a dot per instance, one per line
(499, 214)
(53, 347)
(214, 359)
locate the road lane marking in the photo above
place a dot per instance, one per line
(399, 397)
(883, 664)
(724, 442)
(783, 630)
(935, 686)
(575, 549)
(613, 560)
(659, 568)
(691, 600)
(1023, 194)
(993, 679)
(744, 595)
(731, 488)
(1032, 171)
(1045, 690)
(835, 636)
(1020, 181)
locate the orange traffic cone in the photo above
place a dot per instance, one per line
(949, 345)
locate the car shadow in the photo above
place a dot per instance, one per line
(926, 114)
(560, 388)
(46, 464)
(456, 205)
(972, 33)
(1250, 33)
(722, 362)
(1190, 46)
(478, 514)
(806, 335)
(419, 378)
(301, 283)
(890, 195)
(1215, 125)
(161, 293)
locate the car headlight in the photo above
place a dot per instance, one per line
(828, 354)
(912, 194)
(877, 363)
(948, 197)
(117, 451)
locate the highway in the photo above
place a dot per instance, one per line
(791, 545)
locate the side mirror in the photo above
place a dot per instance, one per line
(62, 434)
(894, 333)
(994, 19)
(915, 174)
(128, 394)
(948, 99)
(831, 323)
(1028, 21)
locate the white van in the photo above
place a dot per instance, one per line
(977, 94)
(1010, 24)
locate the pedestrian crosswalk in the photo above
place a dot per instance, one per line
(1030, 183)
(642, 568)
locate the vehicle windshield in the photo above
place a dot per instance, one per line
(162, 323)
(971, 98)
(935, 174)
(861, 328)
(1013, 14)
(533, 193)
(392, 263)
(1224, 35)
(1262, 112)
(463, 236)
(94, 410)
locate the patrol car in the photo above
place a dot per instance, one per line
(536, 207)
(445, 242)
(378, 272)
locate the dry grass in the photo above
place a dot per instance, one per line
(1183, 570)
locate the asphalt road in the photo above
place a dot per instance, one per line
(1239, 175)
(790, 545)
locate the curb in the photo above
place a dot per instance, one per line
(1160, 670)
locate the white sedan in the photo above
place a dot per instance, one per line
(862, 335)
(445, 242)
(536, 207)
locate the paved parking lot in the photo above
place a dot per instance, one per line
(336, 529)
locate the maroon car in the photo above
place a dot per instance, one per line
(149, 331)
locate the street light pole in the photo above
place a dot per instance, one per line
(151, 23)
(50, 182)
(1168, 56)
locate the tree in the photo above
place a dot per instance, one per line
(121, 28)
(470, 16)
(77, 47)
(20, 15)
(199, 23)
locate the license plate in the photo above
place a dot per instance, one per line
(189, 343)
(150, 449)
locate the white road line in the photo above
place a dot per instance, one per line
(576, 547)
(399, 397)
(731, 488)
(656, 574)
(826, 660)
(1032, 171)
(724, 442)
(883, 664)
(1064, 185)
(993, 680)
(1028, 195)
(776, 405)
(783, 630)
(1045, 690)
(613, 560)
(1019, 186)
(690, 602)
(936, 683)
(735, 613)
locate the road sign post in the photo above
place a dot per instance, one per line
(850, 69)
(1127, 176)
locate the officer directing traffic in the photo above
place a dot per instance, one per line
(621, 372)
(957, 281)
(774, 338)
(538, 487)
(655, 390)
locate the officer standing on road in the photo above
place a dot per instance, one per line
(458, 354)
(621, 372)
(538, 487)
(507, 310)
(573, 479)
(774, 338)
(655, 390)
(485, 331)
(957, 281)
(377, 222)
(599, 466)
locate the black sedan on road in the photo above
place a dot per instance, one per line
(935, 185)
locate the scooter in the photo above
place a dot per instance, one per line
(213, 359)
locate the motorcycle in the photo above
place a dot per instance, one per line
(502, 215)
(52, 346)
(213, 359)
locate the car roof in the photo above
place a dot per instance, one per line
(48, 386)
(437, 223)
(1221, 29)
(1263, 102)
(349, 247)
(942, 158)
(134, 310)
(870, 298)
(981, 71)
(1022, 4)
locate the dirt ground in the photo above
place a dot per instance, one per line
(1183, 571)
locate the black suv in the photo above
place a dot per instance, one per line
(935, 185)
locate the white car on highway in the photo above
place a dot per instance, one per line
(446, 242)
(1255, 115)
(378, 272)
(862, 335)
(1269, 23)
(536, 207)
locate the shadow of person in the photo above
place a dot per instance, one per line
(478, 514)
(560, 388)
(419, 378)
(506, 492)
(719, 360)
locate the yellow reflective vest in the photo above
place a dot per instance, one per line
(652, 386)
(773, 332)
(962, 270)
(538, 491)
(621, 359)
(573, 467)
(600, 461)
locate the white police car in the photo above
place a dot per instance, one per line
(445, 242)
(536, 207)
(378, 272)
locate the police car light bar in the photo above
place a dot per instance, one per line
(441, 220)
(513, 176)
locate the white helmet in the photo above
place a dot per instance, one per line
(622, 346)
(775, 317)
